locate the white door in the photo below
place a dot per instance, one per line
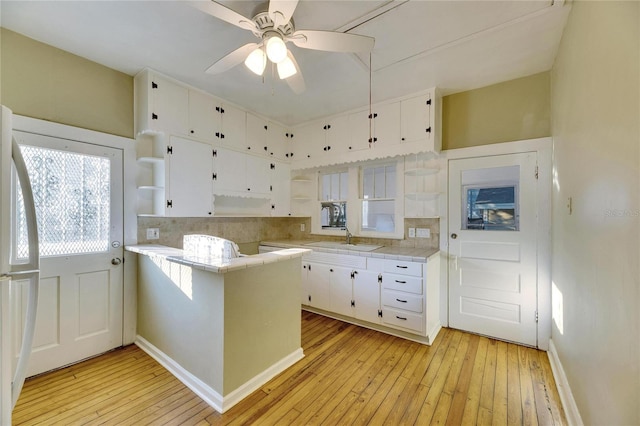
(492, 246)
(79, 206)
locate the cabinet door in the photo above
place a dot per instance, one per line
(359, 124)
(305, 287)
(338, 135)
(170, 105)
(281, 189)
(341, 290)
(309, 141)
(257, 171)
(319, 278)
(366, 294)
(233, 126)
(277, 141)
(229, 170)
(386, 124)
(204, 121)
(189, 178)
(415, 116)
(256, 142)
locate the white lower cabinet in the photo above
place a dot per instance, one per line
(388, 293)
(366, 296)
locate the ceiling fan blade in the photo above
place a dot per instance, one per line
(332, 41)
(232, 59)
(281, 11)
(224, 13)
(296, 81)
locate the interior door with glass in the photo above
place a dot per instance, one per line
(492, 246)
(77, 191)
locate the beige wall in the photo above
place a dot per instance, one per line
(595, 115)
(41, 81)
(513, 110)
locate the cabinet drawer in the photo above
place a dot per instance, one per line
(404, 268)
(398, 318)
(402, 283)
(400, 300)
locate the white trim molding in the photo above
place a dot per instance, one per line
(219, 402)
(566, 397)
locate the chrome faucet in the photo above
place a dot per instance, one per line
(348, 235)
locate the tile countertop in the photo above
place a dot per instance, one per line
(385, 252)
(215, 265)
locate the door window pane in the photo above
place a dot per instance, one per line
(491, 208)
(72, 199)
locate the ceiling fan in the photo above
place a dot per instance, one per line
(274, 26)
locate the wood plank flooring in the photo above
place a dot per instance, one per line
(350, 375)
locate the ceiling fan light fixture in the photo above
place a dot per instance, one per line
(276, 49)
(286, 68)
(256, 61)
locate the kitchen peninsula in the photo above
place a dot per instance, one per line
(224, 328)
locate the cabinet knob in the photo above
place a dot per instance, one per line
(265, 148)
(192, 132)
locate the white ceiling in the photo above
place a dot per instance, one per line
(454, 45)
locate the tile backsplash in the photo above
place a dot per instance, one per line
(247, 232)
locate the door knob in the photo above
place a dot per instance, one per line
(454, 236)
(116, 261)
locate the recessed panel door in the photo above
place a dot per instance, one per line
(492, 246)
(79, 207)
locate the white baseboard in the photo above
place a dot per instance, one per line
(209, 395)
(566, 397)
(433, 333)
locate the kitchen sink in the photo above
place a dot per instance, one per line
(343, 246)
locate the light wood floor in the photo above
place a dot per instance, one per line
(350, 375)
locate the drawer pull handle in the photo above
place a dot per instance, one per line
(401, 282)
(401, 267)
(401, 318)
(401, 301)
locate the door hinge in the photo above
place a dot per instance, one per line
(380, 313)
(353, 303)
(169, 149)
(353, 275)
(271, 188)
(214, 153)
(536, 316)
(309, 298)
(428, 130)
(380, 278)
(169, 204)
(309, 269)
(214, 176)
(429, 101)
(154, 116)
(537, 172)
(154, 85)
(273, 166)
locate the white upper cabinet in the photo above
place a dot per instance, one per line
(418, 122)
(277, 141)
(403, 126)
(231, 130)
(189, 179)
(324, 141)
(203, 118)
(256, 135)
(161, 105)
(381, 126)
(238, 174)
